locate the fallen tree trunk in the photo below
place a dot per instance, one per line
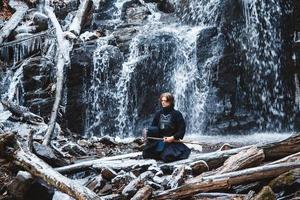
(216, 195)
(21, 9)
(64, 48)
(87, 164)
(272, 151)
(244, 159)
(40, 169)
(213, 160)
(78, 20)
(282, 148)
(225, 181)
(22, 112)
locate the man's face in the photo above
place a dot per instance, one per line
(165, 102)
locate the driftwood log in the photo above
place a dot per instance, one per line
(40, 169)
(63, 57)
(22, 112)
(21, 9)
(87, 164)
(226, 180)
(65, 46)
(244, 159)
(81, 14)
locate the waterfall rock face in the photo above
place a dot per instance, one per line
(209, 75)
(229, 63)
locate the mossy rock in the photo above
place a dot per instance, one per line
(265, 194)
(285, 180)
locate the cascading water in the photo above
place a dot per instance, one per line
(263, 51)
(163, 57)
(174, 57)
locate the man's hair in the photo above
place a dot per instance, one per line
(169, 97)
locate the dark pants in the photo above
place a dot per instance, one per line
(171, 151)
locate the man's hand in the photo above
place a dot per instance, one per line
(169, 139)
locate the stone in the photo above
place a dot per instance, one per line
(74, 149)
(41, 21)
(20, 185)
(108, 173)
(47, 154)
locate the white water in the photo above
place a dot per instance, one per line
(263, 51)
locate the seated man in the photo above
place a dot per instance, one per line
(169, 125)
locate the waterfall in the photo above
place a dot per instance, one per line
(263, 50)
(205, 12)
(125, 120)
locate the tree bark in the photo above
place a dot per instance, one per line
(21, 9)
(272, 151)
(39, 168)
(86, 164)
(22, 112)
(64, 48)
(225, 181)
(244, 159)
(78, 20)
(143, 194)
(282, 148)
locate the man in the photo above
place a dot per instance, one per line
(169, 125)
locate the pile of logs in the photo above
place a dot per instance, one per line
(249, 172)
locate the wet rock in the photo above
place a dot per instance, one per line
(74, 149)
(177, 177)
(287, 183)
(62, 8)
(166, 6)
(136, 184)
(108, 173)
(20, 185)
(167, 169)
(84, 143)
(120, 181)
(154, 185)
(107, 140)
(47, 154)
(96, 184)
(134, 13)
(86, 36)
(265, 194)
(41, 21)
(24, 29)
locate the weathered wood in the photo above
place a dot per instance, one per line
(244, 159)
(272, 151)
(292, 158)
(78, 20)
(143, 194)
(123, 164)
(177, 177)
(86, 164)
(199, 167)
(39, 168)
(133, 186)
(226, 180)
(216, 195)
(22, 112)
(21, 9)
(282, 148)
(64, 48)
